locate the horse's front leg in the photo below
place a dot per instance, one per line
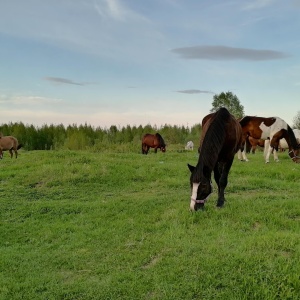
(224, 169)
(11, 153)
(267, 150)
(155, 149)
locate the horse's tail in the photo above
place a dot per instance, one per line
(19, 146)
(248, 145)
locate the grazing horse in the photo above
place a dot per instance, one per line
(283, 145)
(273, 128)
(9, 143)
(220, 140)
(153, 141)
(252, 143)
(189, 145)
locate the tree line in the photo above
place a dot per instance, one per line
(83, 137)
(80, 137)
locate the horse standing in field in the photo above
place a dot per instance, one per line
(153, 141)
(220, 140)
(9, 143)
(252, 143)
(189, 145)
(271, 130)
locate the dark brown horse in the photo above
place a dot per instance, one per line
(153, 141)
(271, 130)
(9, 143)
(221, 138)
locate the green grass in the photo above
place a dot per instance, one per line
(84, 225)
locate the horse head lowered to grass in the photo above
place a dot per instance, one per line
(221, 138)
(9, 143)
(272, 130)
(153, 141)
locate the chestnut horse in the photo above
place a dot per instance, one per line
(153, 141)
(9, 143)
(273, 128)
(220, 140)
(252, 143)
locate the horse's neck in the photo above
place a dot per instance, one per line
(289, 141)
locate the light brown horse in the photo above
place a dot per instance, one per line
(9, 143)
(253, 143)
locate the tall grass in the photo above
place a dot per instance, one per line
(116, 225)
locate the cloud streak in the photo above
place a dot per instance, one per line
(27, 100)
(227, 53)
(195, 92)
(58, 80)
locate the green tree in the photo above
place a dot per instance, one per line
(296, 120)
(230, 101)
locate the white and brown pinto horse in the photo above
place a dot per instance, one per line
(272, 130)
(9, 143)
(220, 140)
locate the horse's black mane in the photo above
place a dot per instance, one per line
(292, 137)
(161, 140)
(213, 140)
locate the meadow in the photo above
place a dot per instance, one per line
(117, 225)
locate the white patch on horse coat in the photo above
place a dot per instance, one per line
(194, 195)
(271, 130)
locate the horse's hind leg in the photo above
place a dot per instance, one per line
(11, 153)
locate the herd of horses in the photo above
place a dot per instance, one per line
(222, 137)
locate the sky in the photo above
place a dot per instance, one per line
(157, 62)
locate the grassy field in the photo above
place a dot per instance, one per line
(84, 225)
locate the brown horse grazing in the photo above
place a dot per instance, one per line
(274, 129)
(221, 138)
(153, 141)
(252, 143)
(9, 143)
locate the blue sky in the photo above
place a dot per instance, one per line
(130, 62)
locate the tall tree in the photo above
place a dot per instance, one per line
(230, 101)
(296, 120)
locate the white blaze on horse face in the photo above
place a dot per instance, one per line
(194, 195)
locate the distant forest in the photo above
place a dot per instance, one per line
(83, 137)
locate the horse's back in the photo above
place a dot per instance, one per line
(8, 141)
(149, 139)
(225, 124)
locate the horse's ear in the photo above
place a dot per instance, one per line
(192, 168)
